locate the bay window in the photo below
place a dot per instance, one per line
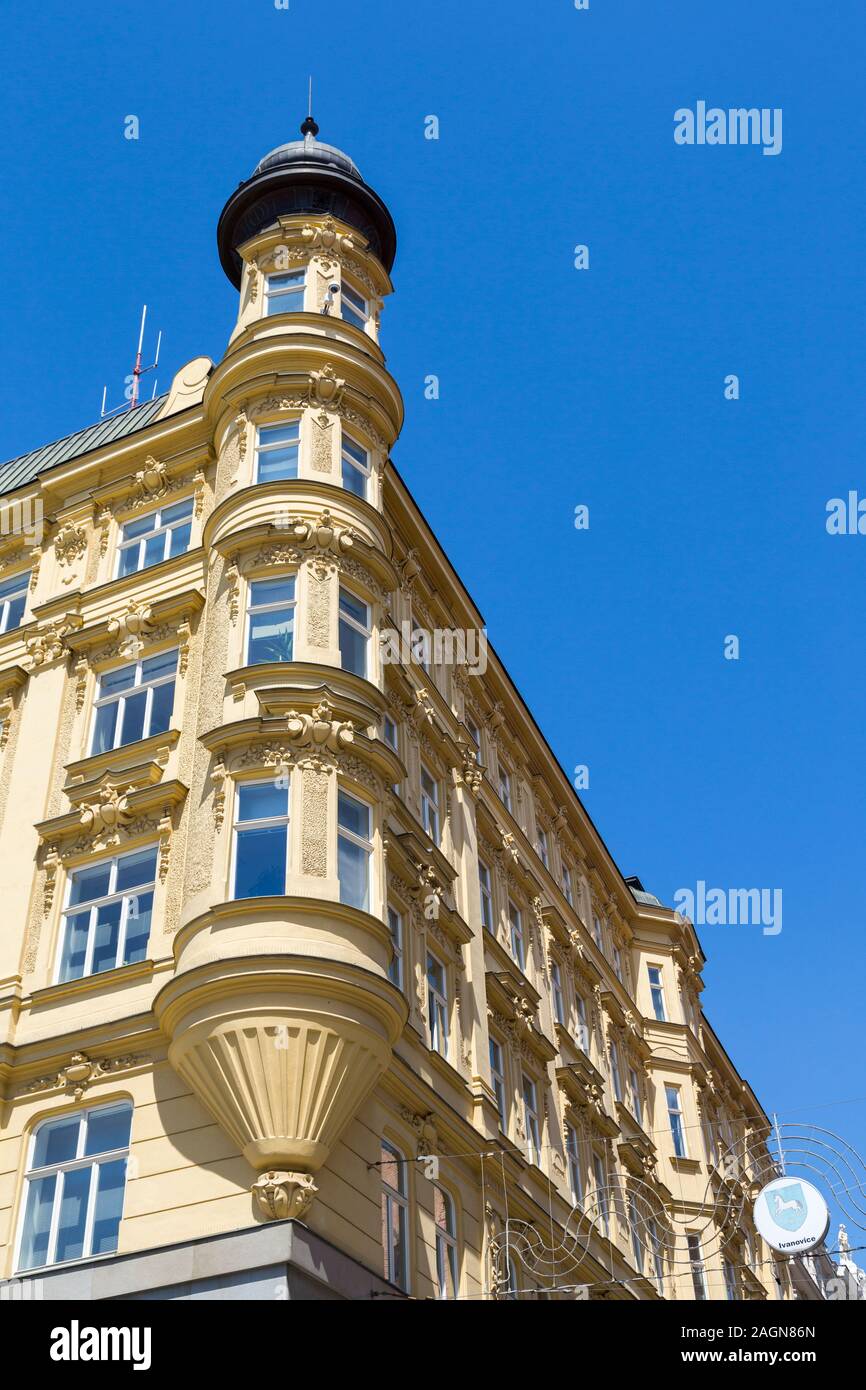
(355, 465)
(354, 307)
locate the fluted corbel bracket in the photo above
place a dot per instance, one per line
(282, 1196)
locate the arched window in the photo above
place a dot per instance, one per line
(395, 1215)
(74, 1186)
(447, 1269)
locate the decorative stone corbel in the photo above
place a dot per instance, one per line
(282, 1196)
(509, 844)
(253, 280)
(133, 621)
(47, 643)
(319, 729)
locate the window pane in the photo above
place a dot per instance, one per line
(109, 1206)
(354, 480)
(112, 682)
(74, 946)
(128, 561)
(134, 869)
(107, 1130)
(90, 883)
(105, 937)
(73, 1214)
(352, 868)
(176, 512)
(353, 649)
(15, 611)
(179, 540)
(37, 1222)
(262, 801)
(133, 718)
(354, 815)
(267, 591)
(271, 636)
(56, 1142)
(140, 526)
(103, 728)
(138, 918)
(161, 708)
(276, 465)
(154, 549)
(165, 664)
(261, 862)
(353, 607)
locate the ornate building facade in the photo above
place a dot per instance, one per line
(316, 979)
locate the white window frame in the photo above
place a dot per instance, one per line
(505, 786)
(348, 460)
(697, 1266)
(366, 629)
(286, 291)
(122, 696)
(125, 895)
(615, 1072)
(657, 1255)
(634, 1091)
(531, 1118)
(515, 934)
(485, 893)
(599, 1174)
(657, 993)
(81, 1160)
(634, 1226)
(159, 527)
(255, 608)
(582, 1025)
(598, 932)
(354, 294)
(447, 1253)
(572, 1154)
(675, 1120)
(567, 889)
(430, 805)
(265, 448)
(543, 848)
(395, 927)
(498, 1081)
(365, 843)
(557, 991)
(395, 1199)
(438, 1009)
(263, 823)
(475, 735)
(7, 599)
(732, 1286)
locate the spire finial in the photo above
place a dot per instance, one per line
(309, 126)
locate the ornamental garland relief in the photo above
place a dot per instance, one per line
(314, 825)
(318, 607)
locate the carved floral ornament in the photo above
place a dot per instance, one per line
(283, 1196)
(323, 390)
(81, 1071)
(48, 643)
(70, 542)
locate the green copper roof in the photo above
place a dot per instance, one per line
(18, 472)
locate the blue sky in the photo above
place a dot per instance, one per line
(558, 387)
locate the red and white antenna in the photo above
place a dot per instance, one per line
(133, 381)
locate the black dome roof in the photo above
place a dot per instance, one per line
(303, 176)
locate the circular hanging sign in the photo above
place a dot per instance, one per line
(791, 1215)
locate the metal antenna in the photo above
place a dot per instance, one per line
(133, 382)
(309, 126)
